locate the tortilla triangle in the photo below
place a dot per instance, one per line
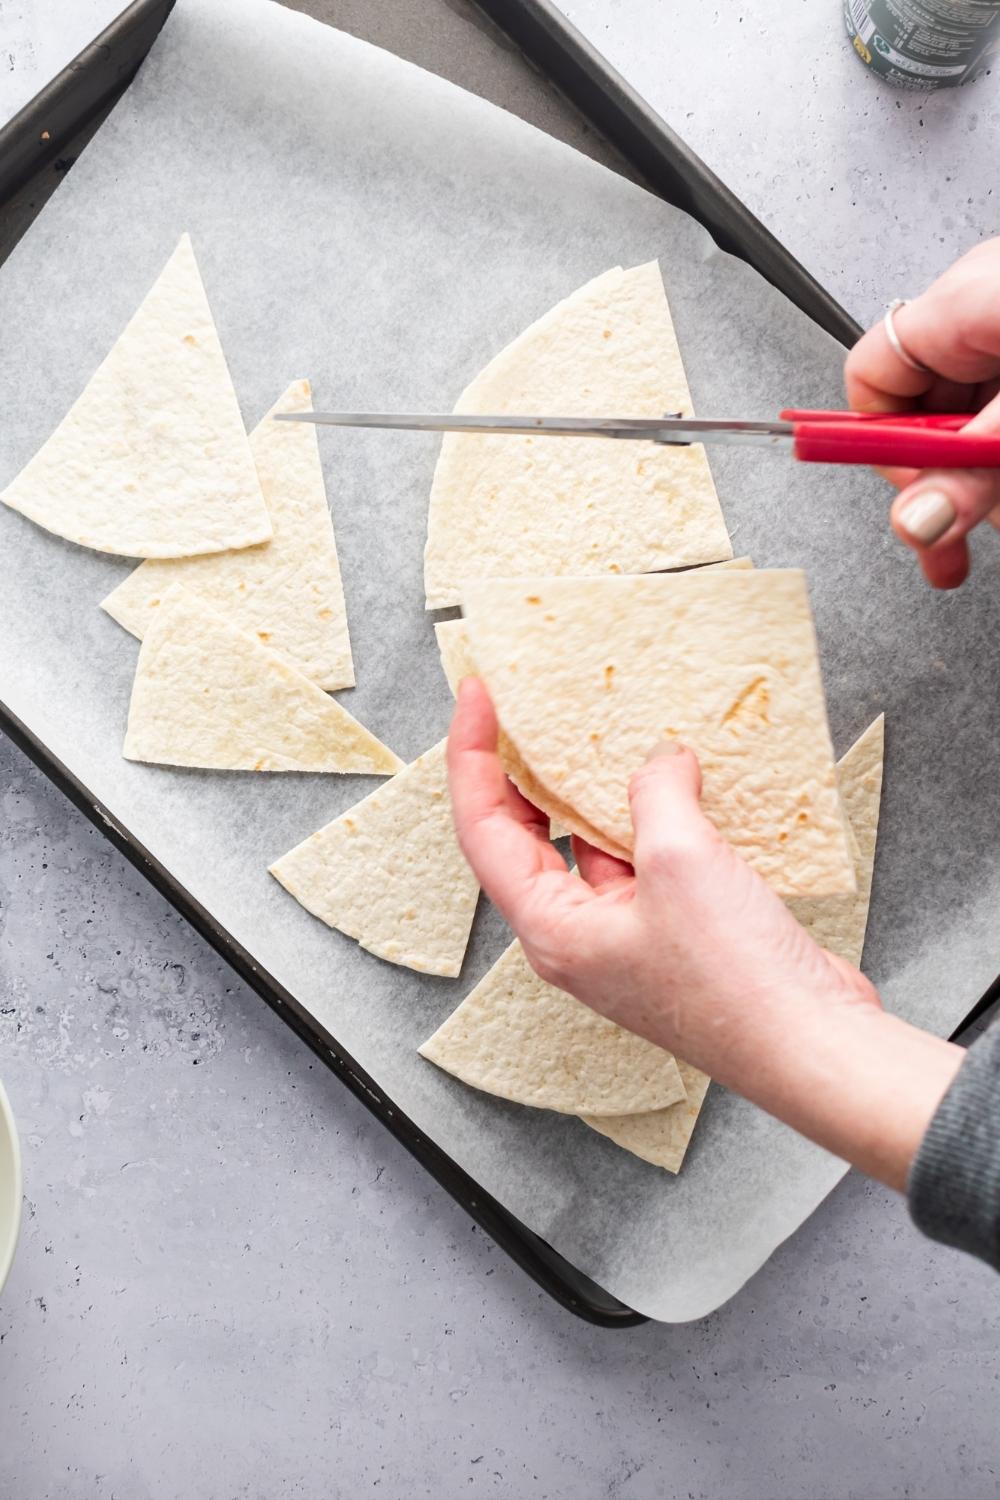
(587, 674)
(389, 872)
(505, 506)
(662, 1136)
(206, 694)
(524, 1040)
(286, 591)
(152, 459)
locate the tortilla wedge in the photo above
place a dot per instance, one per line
(286, 591)
(152, 458)
(389, 872)
(206, 694)
(504, 506)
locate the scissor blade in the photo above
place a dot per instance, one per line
(645, 427)
(681, 430)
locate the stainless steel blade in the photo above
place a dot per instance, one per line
(676, 430)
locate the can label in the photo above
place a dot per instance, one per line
(923, 44)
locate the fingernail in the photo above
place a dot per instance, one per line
(927, 516)
(665, 747)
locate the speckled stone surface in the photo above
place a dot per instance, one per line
(233, 1283)
(38, 37)
(876, 190)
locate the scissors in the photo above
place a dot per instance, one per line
(910, 440)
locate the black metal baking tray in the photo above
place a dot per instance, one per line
(666, 164)
(38, 145)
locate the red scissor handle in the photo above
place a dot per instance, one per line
(908, 440)
(950, 421)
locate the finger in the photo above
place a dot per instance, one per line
(666, 814)
(952, 395)
(986, 422)
(953, 328)
(898, 477)
(943, 505)
(986, 392)
(598, 869)
(877, 379)
(944, 395)
(946, 566)
(477, 702)
(496, 827)
(852, 980)
(935, 515)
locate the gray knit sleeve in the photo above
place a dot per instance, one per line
(954, 1186)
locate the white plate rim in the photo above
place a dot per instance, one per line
(9, 1129)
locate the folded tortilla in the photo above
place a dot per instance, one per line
(152, 459)
(206, 694)
(389, 872)
(662, 1136)
(587, 674)
(504, 506)
(286, 591)
(456, 653)
(456, 662)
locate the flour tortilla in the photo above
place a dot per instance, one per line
(456, 653)
(456, 661)
(587, 674)
(286, 591)
(152, 459)
(840, 925)
(662, 1136)
(206, 694)
(524, 1040)
(504, 506)
(389, 872)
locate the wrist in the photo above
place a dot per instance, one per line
(858, 1081)
(895, 1078)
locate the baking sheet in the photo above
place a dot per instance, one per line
(372, 227)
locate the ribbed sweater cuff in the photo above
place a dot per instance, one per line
(954, 1184)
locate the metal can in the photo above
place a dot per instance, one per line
(924, 44)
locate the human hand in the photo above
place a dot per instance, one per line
(954, 329)
(693, 950)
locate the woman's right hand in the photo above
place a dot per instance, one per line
(691, 949)
(954, 329)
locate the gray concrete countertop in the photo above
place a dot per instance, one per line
(232, 1281)
(876, 190)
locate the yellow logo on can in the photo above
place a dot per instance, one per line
(862, 50)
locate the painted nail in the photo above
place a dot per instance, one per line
(927, 516)
(665, 747)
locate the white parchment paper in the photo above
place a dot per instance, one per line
(372, 227)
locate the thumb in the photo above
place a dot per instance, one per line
(935, 513)
(663, 795)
